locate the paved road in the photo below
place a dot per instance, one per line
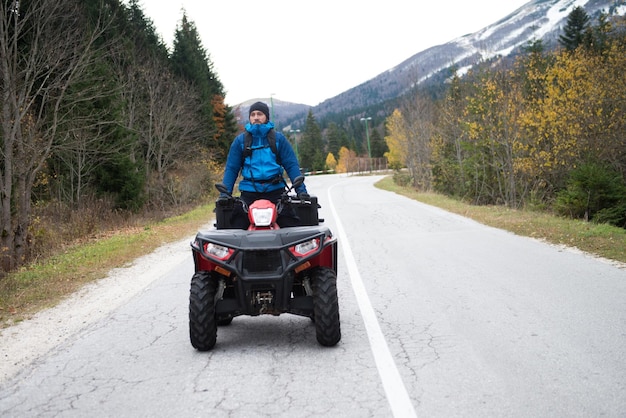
(441, 317)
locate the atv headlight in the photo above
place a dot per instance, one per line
(262, 216)
(306, 247)
(218, 251)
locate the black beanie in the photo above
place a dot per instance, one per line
(261, 107)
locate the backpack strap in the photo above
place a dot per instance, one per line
(247, 145)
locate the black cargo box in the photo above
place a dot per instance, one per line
(306, 211)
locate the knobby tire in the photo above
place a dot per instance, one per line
(202, 321)
(326, 306)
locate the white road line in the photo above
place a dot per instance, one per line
(397, 396)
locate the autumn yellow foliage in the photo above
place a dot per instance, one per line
(347, 161)
(397, 140)
(331, 162)
(513, 133)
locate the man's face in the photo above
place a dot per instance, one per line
(257, 117)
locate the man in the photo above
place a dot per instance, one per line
(261, 166)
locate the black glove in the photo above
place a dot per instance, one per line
(304, 196)
(224, 200)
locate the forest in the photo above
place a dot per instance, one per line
(100, 121)
(543, 131)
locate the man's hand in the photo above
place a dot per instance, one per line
(224, 200)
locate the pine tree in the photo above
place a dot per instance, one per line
(576, 30)
(192, 62)
(334, 138)
(600, 38)
(312, 156)
(378, 144)
(140, 30)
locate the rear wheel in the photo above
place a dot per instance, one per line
(326, 306)
(202, 322)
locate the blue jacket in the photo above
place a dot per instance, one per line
(260, 168)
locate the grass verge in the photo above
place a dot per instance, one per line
(598, 239)
(46, 283)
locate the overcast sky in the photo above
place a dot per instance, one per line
(307, 52)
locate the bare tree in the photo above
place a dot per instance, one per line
(417, 113)
(452, 135)
(45, 50)
(173, 133)
(82, 150)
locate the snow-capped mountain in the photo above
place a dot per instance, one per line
(537, 20)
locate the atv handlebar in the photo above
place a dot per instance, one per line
(297, 182)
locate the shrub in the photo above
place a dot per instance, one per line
(594, 192)
(402, 178)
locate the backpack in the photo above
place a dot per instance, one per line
(247, 145)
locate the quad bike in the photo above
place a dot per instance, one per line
(264, 270)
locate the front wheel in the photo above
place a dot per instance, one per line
(202, 322)
(326, 306)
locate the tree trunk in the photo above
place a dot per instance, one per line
(45, 50)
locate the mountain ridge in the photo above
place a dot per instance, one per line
(536, 20)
